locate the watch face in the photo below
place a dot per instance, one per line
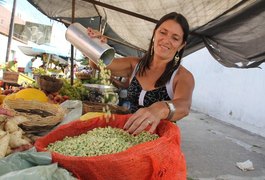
(171, 106)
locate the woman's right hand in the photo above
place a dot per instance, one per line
(96, 34)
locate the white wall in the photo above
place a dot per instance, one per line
(236, 96)
(21, 57)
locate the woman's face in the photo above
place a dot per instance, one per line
(168, 39)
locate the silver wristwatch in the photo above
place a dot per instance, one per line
(172, 109)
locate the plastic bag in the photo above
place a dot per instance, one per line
(23, 160)
(73, 109)
(31, 165)
(47, 172)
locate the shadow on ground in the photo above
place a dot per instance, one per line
(212, 149)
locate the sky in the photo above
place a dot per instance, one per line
(28, 12)
(31, 14)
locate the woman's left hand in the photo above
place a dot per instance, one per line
(141, 119)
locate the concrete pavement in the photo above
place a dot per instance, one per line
(212, 149)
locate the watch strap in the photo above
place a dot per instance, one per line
(172, 109)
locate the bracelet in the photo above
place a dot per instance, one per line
(172, 109)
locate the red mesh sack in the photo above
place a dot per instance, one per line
(158, 159)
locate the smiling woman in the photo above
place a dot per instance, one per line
(167, 41)
(157, 77)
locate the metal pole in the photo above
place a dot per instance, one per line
(11, 30)
(72, 47)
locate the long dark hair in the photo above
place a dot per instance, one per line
(171, 65)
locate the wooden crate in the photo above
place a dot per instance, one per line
(16, 78)
(98, 107)
(10, 77)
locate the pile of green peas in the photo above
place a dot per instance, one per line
(99, 141)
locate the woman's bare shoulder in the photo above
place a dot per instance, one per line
(185, 74)
(183, 70)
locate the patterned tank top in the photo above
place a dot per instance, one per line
(140, 98)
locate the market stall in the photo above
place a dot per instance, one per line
(49, 91)
(55, 114)
(16, 78)
(13, 77)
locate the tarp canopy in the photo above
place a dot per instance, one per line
(35, 49)
(38, 50)
(232, 30)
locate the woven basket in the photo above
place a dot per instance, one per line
(83, 76)
(37, 122)
(98, 107)
(50, 84)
